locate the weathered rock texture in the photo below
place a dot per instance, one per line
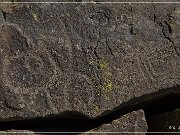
(131, 122)
(87, 58)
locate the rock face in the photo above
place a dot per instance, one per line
(87, 58)
(131, 122)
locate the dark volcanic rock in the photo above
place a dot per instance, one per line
(131, 122)
(87, 58)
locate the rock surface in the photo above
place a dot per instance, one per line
(131, 122)
(88, 58)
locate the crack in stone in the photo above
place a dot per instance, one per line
(109, 48)
(4, 15)
(167, 31)
(161, 101)
(2, 18)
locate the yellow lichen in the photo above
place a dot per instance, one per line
(103, 64)
(108, 86)
(35, 16)
(97, 109)
(105, 75)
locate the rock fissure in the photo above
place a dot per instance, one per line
(4, 15)
(167, 31)
(109, 48)
(156, 103)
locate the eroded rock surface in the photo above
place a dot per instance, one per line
(87, 58)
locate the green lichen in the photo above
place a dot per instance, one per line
(104, 75)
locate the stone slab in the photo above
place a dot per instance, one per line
(87, 58)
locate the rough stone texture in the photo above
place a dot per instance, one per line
(87, 58)
(131, 122)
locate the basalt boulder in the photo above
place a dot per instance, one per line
(87, 58)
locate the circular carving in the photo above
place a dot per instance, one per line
(24, 66)
(33, 69)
